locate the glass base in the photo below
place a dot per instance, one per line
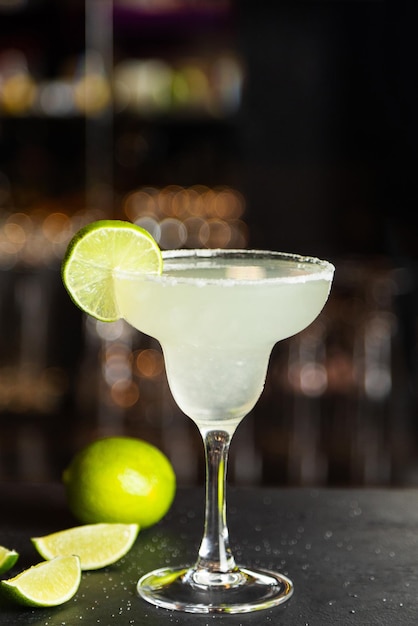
(198, 591)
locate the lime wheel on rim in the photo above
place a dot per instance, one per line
(95, 253)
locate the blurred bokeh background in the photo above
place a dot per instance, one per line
(287, 125)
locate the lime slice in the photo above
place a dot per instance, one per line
(97, 545)
(95, 253)
(47, 584)
(7, 559)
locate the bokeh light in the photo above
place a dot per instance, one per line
(124, 393)
(149, 363)
(194, 217)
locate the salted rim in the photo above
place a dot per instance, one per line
(325, 268)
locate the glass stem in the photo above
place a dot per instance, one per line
(215, 554)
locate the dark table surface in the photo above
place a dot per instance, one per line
(352, 554)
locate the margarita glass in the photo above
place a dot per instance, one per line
(217, 315)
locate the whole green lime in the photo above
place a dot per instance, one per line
(120, 479)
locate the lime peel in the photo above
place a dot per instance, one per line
(95, 253)
(120, 479)
(97, 545)
(49, 583)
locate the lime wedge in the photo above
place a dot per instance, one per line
(7, 559)
(47, 584)
(95, 253)
(97, 545)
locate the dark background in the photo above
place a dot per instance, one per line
(323, 147)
